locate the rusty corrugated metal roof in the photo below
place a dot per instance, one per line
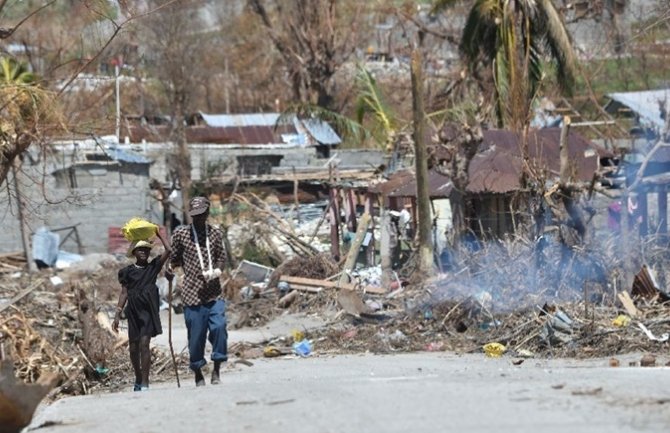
(497, 166)
(439, 186)
(243, 135)
(395, 181)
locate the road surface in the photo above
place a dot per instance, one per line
(422, 392)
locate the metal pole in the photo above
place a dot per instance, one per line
(118, 101)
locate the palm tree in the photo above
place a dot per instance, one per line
(374, 118)
(514, 38)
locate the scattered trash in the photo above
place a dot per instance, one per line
(45, 247)
(494, 350)
(621, 321)
(435, 346)
(253, 272)
(272, 352)
(645, 286)
(283, 287)
(101, 370)
(651, 336)
(66, 259)
(518, 361)
(247, 292)
(373, 305)
(302, 348)
(351, 333)
(56, 280)
(297, 335)
(525, 353)
(648, 360)
(484, 326)
(558, 327)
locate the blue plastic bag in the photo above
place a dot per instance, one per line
(302, 348)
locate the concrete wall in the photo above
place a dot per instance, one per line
(108, 195)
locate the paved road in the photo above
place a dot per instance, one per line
(424, 392)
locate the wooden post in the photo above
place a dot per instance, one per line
(351, 219)
(25, 237)
(352, 254)
(296, 202)
(385, 248)
(371, 248)
(334, 225)
(421, 167)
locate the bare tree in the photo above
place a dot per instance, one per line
(314, 39)
(176, 46)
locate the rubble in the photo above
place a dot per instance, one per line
(57, 321)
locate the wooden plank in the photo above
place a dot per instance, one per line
(11, 255)
(21, 295)
(310, 289)
(313, 282)
(374, 290)
(350, 261)
(628, 304)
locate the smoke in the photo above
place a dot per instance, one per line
(518, 273)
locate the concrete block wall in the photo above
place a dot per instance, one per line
(111, 200)
(106, 199)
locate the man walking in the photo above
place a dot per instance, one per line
(198, 249)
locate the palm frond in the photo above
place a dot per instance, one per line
(371, 101)
(480, 34)
(559, 44)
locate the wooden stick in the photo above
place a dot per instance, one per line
(174, 361)
(20, 295)
(352, 254)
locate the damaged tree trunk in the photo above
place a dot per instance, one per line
(334, 225)
(421, 166)
(25, 237)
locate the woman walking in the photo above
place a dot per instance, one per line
(139, 290)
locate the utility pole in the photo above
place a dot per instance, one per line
(421, 168)
(117, 71)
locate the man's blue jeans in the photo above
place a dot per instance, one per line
(200, 319)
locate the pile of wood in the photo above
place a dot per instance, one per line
(65, 332)
(12, 262)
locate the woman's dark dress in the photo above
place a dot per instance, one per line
(142, 310)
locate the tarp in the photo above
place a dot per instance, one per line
(45, 247)
(645, 104)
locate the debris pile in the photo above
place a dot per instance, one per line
(507, 298)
